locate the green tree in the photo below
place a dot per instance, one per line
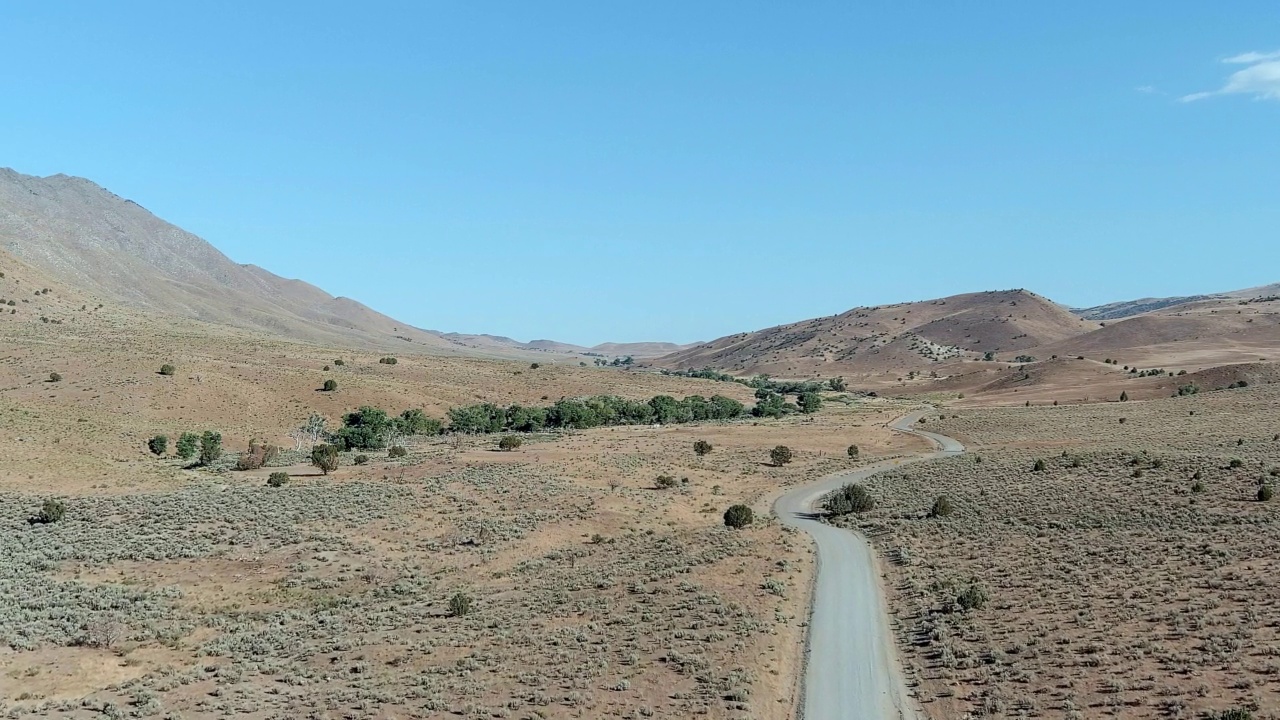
(158, 445)
(325, 457)
(665, 482)
(1264, 493)
(397, 451)
(167, 369)
(973, 597)
(941, 507)
(853, 451)
(738, 516)
(509, 443)
(55, 377)
(809, 402)
(51, 511)
(701, 447)
(1038, 467)
(187, 445)
(837, 384)
(210, 447)
(364, 429)
(1124, 396)
(329, 385)
(278, 479)
(417, 422)
(780, 455)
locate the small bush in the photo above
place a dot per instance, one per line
(853, 451)
(666, 482)
(1038, 467)
(738, 516)
(187, 445)
(167, 369)
(460, 605)
(941, 507)
(329, 385)
(387, 361)
(851, 498)
(158, 445)
(210, 447)
(973, 597)
(397, 451)
(51, 511)
(278, 479)
(1124, 397)
(1197, 487)
(360, 459)
(339, 362)
(509, 443)
(534, 366)
(256, 456)
(1234, 714)
(1236, 463)
(325, 457)
(1265, 493)
(55, 377)
(781, 455)
(701, 447)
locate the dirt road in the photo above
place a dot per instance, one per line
(852, 667)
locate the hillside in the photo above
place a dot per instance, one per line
(1130, 308)
(891, 339)
(75, 231)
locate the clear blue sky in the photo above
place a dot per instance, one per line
(592, 171)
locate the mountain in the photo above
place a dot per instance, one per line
(639, 349)
(113, 249)
(1130, 308)
(891, 338)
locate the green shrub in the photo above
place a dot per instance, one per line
(50, 512)
(853, 451)
(167, 369)
(534, 366)
(278, 479)
(360, 459)
(738, 516)
(851, 498)
(1264, 493)
(55, 377)
(187, 445)
(973, 597)
(509, 443)
(1234, 714)
(329, 385)
(1236, 463)
(158, 445)
(1188, 389)
(701, 447)
(210, 447)
(339, 362)
(325, 457)
(666, 482)
(1197, 487)
(416, 422)
(397, 451)
(780, 455)
(1124, 396)
(460, 605)
(1038, 467)
(941, 507)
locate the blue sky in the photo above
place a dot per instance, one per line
(590, 171)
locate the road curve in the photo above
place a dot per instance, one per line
(852, 669)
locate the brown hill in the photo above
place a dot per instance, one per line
(639, 349)
(891, 339)
(91, 239)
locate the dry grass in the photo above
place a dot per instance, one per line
(1120, 582)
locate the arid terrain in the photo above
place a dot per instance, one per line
(1127, 562)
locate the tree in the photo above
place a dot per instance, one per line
(417, 422)
(329, 385)
(851, 498)
(167, 369)
(837, 384)
(780, 455)
(509, 443)
(210, 447)
(158, 445)
(325, 457)
(1038, 467)
(809, 402)
(1265, 493)
(941, 507)
(853, 451)
(397, 451)
(701, 447)
(187, 444)
(360, 460)
(1124, 396)
(769, 404)
(460, 605)
(278, 479)
(364, 429)
(55, 377)
(665, 482)
(738, 516)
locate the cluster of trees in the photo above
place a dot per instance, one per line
(764, 382)
(207, 445)
(370, 428)
(774, 404)
(595, 411)
(627, 361)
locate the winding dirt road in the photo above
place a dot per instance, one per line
(852, 668)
